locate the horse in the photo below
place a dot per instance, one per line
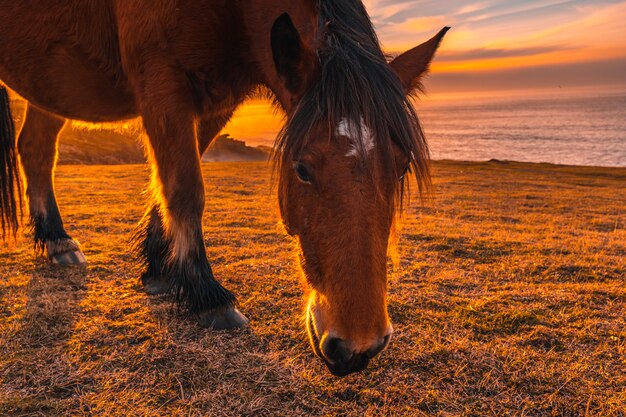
(184, 66)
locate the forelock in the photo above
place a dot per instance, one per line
(355, 83)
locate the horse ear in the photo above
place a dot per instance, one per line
(287, 51)
(413, 64)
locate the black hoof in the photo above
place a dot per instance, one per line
(75, 257)
(222, 319)
(155, 285)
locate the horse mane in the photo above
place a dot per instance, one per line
(356, 82)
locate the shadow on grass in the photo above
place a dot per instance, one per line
(38, 375)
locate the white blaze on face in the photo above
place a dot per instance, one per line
(360, 135)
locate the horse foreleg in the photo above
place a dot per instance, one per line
(152, 247)
(168, 116)
(37, 146)
(151, 243)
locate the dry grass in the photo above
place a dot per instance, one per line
(510, 299)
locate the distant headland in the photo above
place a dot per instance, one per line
(106, 147)
(227, 149)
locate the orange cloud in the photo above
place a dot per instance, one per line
(596, 33)
(540, 59)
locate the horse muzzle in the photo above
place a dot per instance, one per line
(339, 355)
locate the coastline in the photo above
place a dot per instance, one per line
(434, 162)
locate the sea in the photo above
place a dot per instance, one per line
(572, 127)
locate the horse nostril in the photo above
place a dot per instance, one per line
(335, 350)
(380, 347)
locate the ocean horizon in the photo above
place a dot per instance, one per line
(568, 126)
(581, 127)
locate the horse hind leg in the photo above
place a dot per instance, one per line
(37, 146)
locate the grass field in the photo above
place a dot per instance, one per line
(509, 299)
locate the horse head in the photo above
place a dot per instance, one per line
(351, 137)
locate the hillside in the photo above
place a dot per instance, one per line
(509, 299)
(111, 144)
(226, 149)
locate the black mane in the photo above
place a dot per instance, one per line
(355, 81)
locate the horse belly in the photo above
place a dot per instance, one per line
(71, 76)
(62, 84)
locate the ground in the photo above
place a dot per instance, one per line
(509, 299)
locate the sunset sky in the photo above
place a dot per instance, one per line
(584, 40)
(494, 45)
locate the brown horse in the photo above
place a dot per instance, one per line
(184, 66)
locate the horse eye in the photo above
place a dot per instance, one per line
(303, 173)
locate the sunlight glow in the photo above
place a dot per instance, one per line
(487, 37)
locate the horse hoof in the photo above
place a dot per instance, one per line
(155, 285)
(65, 252)
(222, 319)
(75, 257)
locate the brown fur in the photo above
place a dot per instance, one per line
(342, 218)
(37, 146)
(185, 66)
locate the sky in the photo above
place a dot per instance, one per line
(493, 46)
(492, 42)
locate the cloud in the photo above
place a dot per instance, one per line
(471, 8)
(570, 75)
(486, 53)
(507, 31)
